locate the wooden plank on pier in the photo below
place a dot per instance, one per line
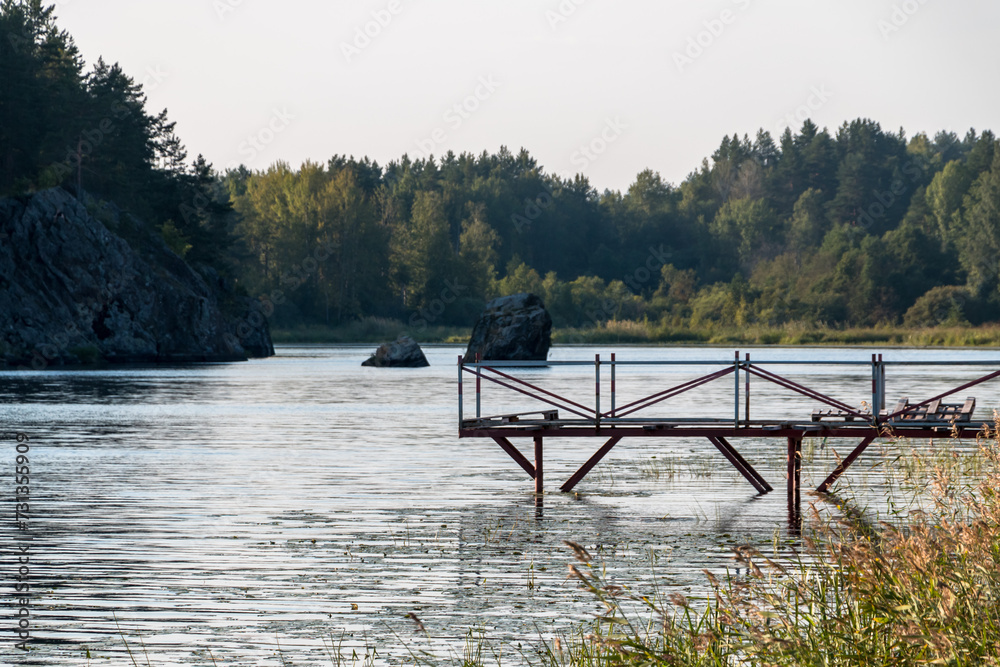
(934, 411)
(901, 405)
(839, 415)
(967, 409)
(543, 415)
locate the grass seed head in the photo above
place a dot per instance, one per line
(581, 554)
(678, 600)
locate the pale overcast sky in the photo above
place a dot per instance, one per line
(642, 83)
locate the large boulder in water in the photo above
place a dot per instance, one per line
(404, 352)
(512, 328)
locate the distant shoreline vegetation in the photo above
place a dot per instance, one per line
(856, 228)
(379, 330)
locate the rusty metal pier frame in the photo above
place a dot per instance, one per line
(929, 418)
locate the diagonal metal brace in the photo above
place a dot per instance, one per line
(518, 457)
(741, 464)
(659, 397)
(542, 399)
(845, 464)
(805, 391)
(913, 408)
(589, 465)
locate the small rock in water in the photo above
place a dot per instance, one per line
(404, 352)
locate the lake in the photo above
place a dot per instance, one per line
(270, 512)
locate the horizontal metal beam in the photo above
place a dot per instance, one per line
(967, 431)
(722, 362)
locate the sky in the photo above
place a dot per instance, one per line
(602, 88)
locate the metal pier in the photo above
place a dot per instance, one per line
(554, 415)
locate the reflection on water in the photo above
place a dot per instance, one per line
(285, 505)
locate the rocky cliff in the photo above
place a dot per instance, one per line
(72, 291)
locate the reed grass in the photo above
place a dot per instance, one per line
(380, 330)
(790, 334)
(669, 466)
(920, 587)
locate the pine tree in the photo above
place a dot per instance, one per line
(979, 247)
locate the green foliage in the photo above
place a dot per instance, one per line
(429, 257)
(808, 225)
(979, 246)
(746, 225)
(174, 239)
(314, 238)
(945, 304)
(751, 239)
(845, 229)
(368, 330)
(478, 251)
(90, 132)
(944, 197)
(522, 278)
(44, 92)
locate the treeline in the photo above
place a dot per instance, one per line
(856, 227)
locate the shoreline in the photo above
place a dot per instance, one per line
(639, 334)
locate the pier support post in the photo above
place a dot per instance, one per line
(538, 464)
(794, 467)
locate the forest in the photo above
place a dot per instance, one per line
(858, 226)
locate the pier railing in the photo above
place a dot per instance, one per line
(554, 415)
(552, 409)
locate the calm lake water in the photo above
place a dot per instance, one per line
(265, 513)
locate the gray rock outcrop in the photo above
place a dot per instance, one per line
(404, 352)
(73, 291)
(512, 328)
